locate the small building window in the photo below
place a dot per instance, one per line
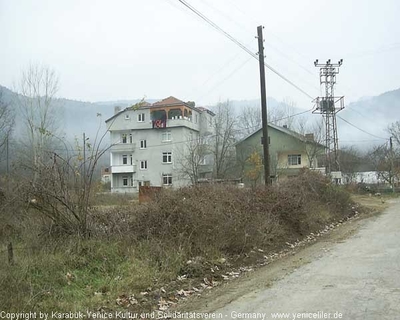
(124, 159)
(143, 144)
(130, 138)
(143, 165)
(123, 138)
(140, 117)
(166, 136)
(294, 159)
(125, 181)
(167, 157)
(127, 117)
(167, 179)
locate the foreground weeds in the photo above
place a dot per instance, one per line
(138, 255)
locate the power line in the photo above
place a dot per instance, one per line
(223, 80)
(243, 47)
(361, 129)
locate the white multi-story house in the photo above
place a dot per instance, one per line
(148, 143)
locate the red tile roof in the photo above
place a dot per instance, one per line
(169, 101)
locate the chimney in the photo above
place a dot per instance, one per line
(117, 109)
(309, 136)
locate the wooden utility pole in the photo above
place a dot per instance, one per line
(391, 164)
(8, 161)
(84, 158)
(265, 139)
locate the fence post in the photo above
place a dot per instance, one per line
(10, 254)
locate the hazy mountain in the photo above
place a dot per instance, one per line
(371, 114)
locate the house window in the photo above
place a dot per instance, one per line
(127, 117)
(167, 179)
(166, 136)
(131, 159)
(124, 159)
(167, 157)
(143, 144)
(294, 159)
(140, 117)
(143, 165)
(125, 181)
(130, 138)
(123, 138)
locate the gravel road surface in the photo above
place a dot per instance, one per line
(355, 274)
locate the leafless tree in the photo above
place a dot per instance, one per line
(351, 161)
(36, 90)
(64, 185)
(191, 158)
(384, 163)
(313, 133)
(6, 122)
(394, 131)
(223, 141)
(249, 120)
(283, 115)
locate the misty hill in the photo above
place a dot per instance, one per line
(371, 114)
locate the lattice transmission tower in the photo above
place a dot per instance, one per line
(329, 106)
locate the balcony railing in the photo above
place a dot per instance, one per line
(123, 147)
(124, 168)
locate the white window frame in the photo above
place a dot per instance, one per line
(167, 179)
(127, 117)
(294, 159)
(130, 138)
(143, 165)
(168, 156)
(143, 144)
(141, 117)
(166, 136)
(125, 178)
(124, 159)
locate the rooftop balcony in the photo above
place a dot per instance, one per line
(182, 121)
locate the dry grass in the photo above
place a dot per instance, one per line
(134, 247)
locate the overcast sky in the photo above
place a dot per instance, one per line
(123, 49)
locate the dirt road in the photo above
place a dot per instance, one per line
(353, 274)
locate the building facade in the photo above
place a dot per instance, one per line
(289, 152)
(150, 144)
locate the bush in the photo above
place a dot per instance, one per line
(227, 219)
(132, 247)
